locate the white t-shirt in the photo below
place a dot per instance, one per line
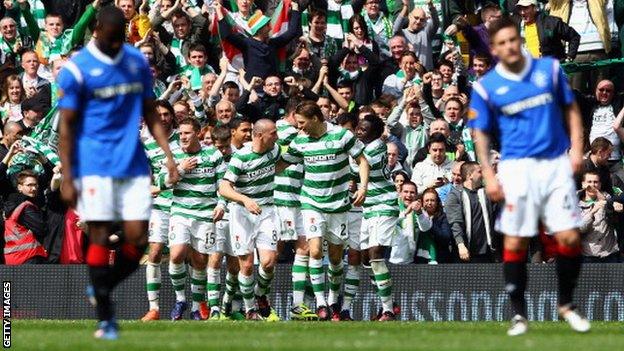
(602, 126)
(581, 21)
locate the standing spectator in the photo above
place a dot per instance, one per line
(552, 29)
(413, 132)
(137, 24)
(471, 216)
(589, 20)
(599, 242)
(454, 152)
(379, 26)
(440, 233)
(435, 170)
(12, 41)
(600, 112)
(393, 158)
(406, 77)
(11, 100)
(477, 36)
(390, 65)
(413, 222)
(419, 32)
(25, 226)
(598, 161)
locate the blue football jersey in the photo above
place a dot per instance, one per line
(524, 110)
(108, 94)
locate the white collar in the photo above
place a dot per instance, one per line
(528, 62)
(102, 57)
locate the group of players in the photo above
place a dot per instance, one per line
(292, 182)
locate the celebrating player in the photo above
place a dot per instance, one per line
(525, 102)
(324, 150)
(249, 183)
(105, 90)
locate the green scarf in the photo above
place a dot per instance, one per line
(348, 76)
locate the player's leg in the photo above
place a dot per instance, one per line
(515, 276)
(232, 297)
(300, 310)
(336, 235)
(266, 238)
(214, 284)
(313, 226)
(381, 230)
(179, 240)
(158, 233)
(241, 232)
(354, 260)
(199, 260)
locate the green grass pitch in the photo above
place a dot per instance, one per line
(51, 335)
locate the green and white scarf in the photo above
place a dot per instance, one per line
(346, 76)
(380, 31)
(415, 81)
(176, 50)
(38, 11)
(195, 74)
(338, 15)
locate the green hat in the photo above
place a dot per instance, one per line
(257, 21)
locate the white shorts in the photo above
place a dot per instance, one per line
(249, 231)
(114, 199)
(332, 227)
(189, 231)
(537, 190)
(291, 224)
(223, 235)
(158, 226)
(378, 231)
(354, 226)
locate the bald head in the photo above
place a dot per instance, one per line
(262, 126)
(417, 19)
(604, 91)
(11, 133)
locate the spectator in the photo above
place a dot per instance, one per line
(390, 65)
(471, 216)
(598, 161)
(31, 81)
(533, 22)
(599, 241)
(440, 232)
(406, 77)
(477, 36)
(456, 181)
(435, 170)
(13, 42)
(11, 100)
(224, 112)
(413, 223)
(599, 112)
(138, 24)
(379, 26)
(413, 132)
(393, 158)
(454, 152)
(419, 32)
(399, 178)
(25, 226)
(318, 40)
(589, 20)
(32, 111)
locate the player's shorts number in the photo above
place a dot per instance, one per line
(343, 231)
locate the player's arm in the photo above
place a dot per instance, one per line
(364, 170)
(160, 135)
(575, 124)
(227, 191)
(66, 149)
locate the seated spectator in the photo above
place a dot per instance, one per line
(440, 232)
(25, 226)
(471, 216)
(599, 241)
(598, 161)
(435, 170)
(412, 223)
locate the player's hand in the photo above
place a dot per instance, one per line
(576, 160)
(217, 214)
(172, 169)
(188, 163)
(252, 207)
(69, 194)
(154, 190)
(464, 255)
(360, 196)
(494, 190)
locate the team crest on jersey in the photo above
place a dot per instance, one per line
(313, 228)
(329, 145)
(502, 90)
(540, 79)
(96, 72)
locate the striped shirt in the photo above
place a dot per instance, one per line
(157, 162)
(326, 165)
(253, 174)
(195, 195)
(288, 183)
(381, 196)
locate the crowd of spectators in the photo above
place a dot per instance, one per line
(410, 62)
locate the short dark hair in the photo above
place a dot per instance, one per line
(467, 168)
(594, 173)
(167, 105)
(457, 100)
(197, 47)
(483, 57)
(191, 122)
(229, 85)
(500, 24)
(407, 181)
(292, 103)
(344, 84)
(436, 138)
(180, 13)
(444, 62)
(27, 173)
(377, 125)
(236, 122)
(409, 53)
(309, 110)
(345, 118)
(221, 133)
(599, 144)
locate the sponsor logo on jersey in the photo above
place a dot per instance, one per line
(528, 103)
(261, 172)
(320, 158)
(120, 89)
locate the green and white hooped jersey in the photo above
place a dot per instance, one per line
(381, 195)
(157, 162)
(195, 195)
(253, 174)
(288, 183)
(326, 165)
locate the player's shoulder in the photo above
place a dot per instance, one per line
(212, 152)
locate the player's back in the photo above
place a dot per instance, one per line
(525, 109)
(108, 95)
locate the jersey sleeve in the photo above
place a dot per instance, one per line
(480, 115)
(234, 169)
(352, 145)
(70, 83)
(292, 154)
(564, 93)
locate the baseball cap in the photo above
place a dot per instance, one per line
(527, 3)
